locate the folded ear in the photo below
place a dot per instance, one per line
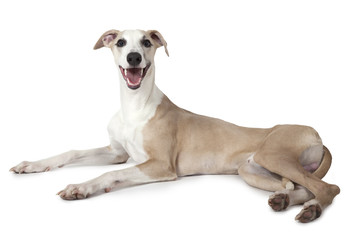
(158, 38)
(107, 39)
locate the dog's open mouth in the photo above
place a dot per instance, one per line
(134, 76)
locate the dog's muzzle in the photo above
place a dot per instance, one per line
(134, 76)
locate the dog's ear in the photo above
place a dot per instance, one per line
(107, 39)
(159, 39)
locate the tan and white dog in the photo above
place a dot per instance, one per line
(169, 142)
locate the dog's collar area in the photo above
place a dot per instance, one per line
(133, 76)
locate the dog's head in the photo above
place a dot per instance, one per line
(133, 51)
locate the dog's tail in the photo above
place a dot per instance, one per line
(324, 165)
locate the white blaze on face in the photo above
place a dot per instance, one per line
(133, 75)
(133, 44)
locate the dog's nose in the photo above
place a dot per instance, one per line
(134, 58)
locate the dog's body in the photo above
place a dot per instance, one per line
(169, 142)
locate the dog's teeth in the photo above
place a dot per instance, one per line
(142, 70)
(125, 71)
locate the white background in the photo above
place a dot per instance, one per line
(254, 63)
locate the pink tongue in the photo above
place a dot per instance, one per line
(134, 75)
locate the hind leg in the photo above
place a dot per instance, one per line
(280, 200)
(257, 176)
(284, 196)
(286, 165)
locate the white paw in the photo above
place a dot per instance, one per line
(30, 167)
(84, 190)
(81, 191)
(76, 191)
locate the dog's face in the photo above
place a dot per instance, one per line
(133, 52)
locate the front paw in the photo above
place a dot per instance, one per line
(75, 192)
(30, 167)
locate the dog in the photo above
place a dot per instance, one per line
(168, 142)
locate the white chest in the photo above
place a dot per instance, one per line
(128, 136)
(126, 127)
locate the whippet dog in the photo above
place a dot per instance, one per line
(168, 142)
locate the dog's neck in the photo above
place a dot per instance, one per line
(142, 102)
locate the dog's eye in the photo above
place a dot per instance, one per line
(121, 43)
(147, 43)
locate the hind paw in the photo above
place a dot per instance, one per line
(279, 201)
(309, 213)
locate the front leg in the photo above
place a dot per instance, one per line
(104, 155)
(150, 171)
